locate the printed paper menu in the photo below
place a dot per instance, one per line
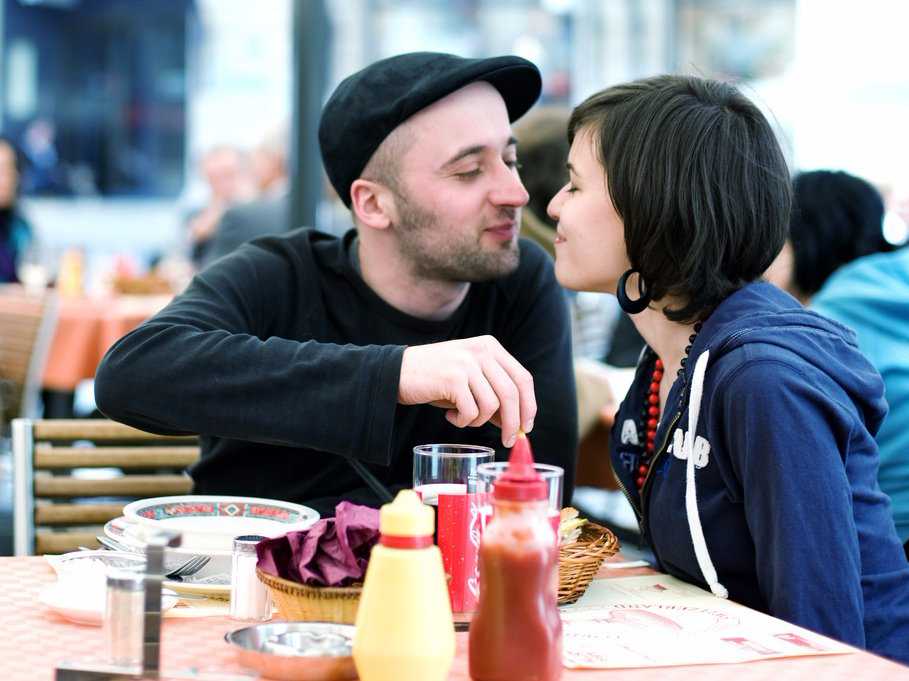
(660, 621)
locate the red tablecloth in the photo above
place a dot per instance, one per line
(86, 328)
(33, 641)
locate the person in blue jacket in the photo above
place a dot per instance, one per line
(871, 296)
(746, 441)
(15, 231)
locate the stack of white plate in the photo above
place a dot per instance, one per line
(208, 525)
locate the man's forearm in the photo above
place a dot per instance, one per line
(167, 377)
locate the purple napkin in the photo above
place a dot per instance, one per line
(333, 552)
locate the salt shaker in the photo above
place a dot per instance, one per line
(124, 617)
(249, 598)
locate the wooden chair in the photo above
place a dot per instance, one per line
(27, 324)
(58, 507)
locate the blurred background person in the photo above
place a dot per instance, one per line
(871, 296)
(224, 171)
(542, 153)
(268, 163)
(15, 232)
(267, 214)
(836, 218)
(43, 173)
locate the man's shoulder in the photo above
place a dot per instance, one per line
(299, 248)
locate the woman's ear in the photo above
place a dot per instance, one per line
(372, 204)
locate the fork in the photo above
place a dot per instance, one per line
(187, 569)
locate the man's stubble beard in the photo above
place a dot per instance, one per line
(422, 240)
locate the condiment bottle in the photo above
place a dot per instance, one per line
(404, 627)
(516, 633)
(70, 274)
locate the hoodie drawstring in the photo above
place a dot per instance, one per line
(691, 502)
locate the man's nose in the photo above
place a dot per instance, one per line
(508, 190)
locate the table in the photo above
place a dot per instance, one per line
(34, 641)
(86, 328)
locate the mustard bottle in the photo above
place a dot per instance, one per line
(404, 626)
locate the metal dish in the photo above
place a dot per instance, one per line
(296, 651)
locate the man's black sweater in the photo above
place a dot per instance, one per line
(286, 363)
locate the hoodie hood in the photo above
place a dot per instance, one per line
(762, 313)
(774, 321)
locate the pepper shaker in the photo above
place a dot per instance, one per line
(124, 617)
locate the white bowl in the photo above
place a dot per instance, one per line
(80, 590)
(212, 522)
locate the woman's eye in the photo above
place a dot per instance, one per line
(468, 175)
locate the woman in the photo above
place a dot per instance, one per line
(15, 232)
(745, 443)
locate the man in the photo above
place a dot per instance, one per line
(268, 213)
(224, 173)
(312, 365)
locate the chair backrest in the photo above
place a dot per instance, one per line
(27, 322)
(59, 506)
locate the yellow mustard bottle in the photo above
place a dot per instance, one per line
(404, 626)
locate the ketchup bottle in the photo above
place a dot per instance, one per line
(516, 633)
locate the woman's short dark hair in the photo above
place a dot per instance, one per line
(836, 218)
(698, 178)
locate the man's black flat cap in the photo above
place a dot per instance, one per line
(368, 105)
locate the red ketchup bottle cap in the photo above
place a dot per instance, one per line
(520, 482)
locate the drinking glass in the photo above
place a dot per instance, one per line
(445, 476)
(553, 476)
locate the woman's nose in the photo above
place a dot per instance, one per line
(554, 208)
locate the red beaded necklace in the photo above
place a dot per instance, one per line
(653, 419)
(651, 415)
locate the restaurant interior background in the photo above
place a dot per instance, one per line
(116, 101)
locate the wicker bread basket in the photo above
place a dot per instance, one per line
(578, 564)
(299, 602)
(580, 561)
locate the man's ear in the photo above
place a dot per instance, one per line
(372, 203)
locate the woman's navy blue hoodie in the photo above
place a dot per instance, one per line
(781, 506)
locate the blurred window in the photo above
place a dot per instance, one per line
(95, 92)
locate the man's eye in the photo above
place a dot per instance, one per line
(514, 165)
(571, 189)
(469, 175)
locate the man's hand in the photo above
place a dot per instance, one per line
(475, 379)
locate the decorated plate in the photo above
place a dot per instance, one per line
(211, 522)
